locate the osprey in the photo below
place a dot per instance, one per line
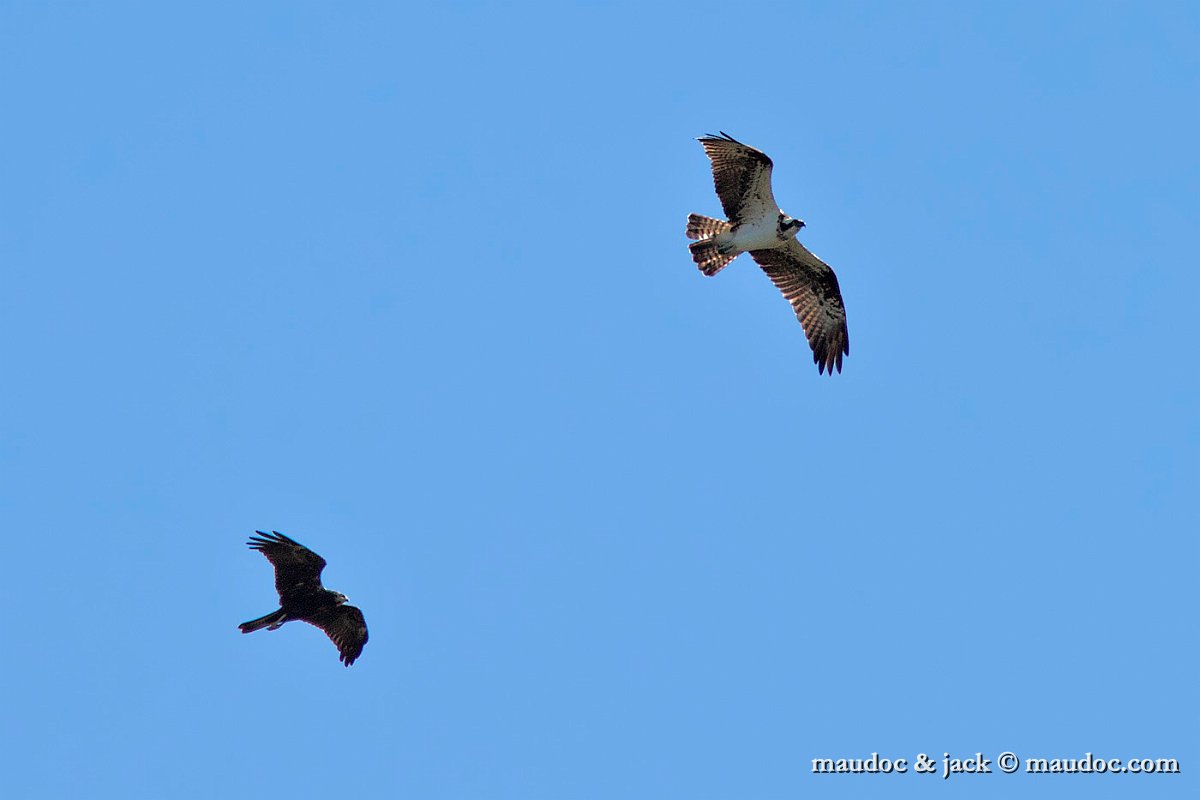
(742, 176)
(302, 597)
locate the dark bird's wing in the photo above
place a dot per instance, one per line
(296, 567)
(811, 287)
(742, 176)
(346, 627)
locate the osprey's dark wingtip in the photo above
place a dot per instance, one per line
(825, 364)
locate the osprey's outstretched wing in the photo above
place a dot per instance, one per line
(811, 287)
(346, 627)
(742, 176)
(296, 567)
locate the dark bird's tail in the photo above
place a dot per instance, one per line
(270, 622)
(705, 252)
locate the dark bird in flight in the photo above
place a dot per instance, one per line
(742, 176)
(302, 597)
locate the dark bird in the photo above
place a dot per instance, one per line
(755, 224)
(302, 597)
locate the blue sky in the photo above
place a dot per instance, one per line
(410, 285)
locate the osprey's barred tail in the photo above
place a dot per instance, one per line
(708, 257)
(705, 227)
(705, 252)
(270, 621)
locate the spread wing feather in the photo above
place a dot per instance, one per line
(810, 286)
(346, 628)
(296, 567)
(742, 177)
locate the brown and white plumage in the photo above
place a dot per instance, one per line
(742, 178)
(811, 287)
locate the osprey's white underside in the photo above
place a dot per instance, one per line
(759, 234)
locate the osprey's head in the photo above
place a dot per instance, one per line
(789, 226)
(339, 598)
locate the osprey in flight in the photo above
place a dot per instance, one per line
(742, 176)
(302, 597)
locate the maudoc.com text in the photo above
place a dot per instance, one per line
(1006, 762)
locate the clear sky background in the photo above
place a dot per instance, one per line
(410, 285)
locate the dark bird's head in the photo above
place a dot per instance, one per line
(340, 598)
